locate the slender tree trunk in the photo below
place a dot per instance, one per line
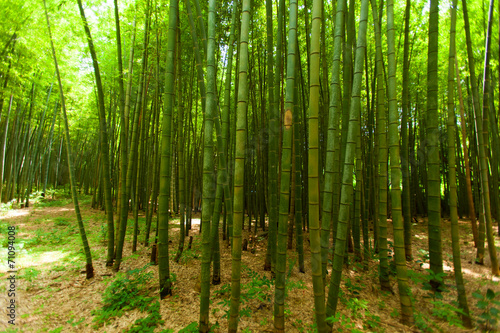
(3, 144)
(313, 170)
(331, 164)
(49, 148)
(89, 268)
(433, 175)
(483, 135)
(382, 159)
(346, 197)
(104, 137)
(451, 125)
(397, 216)
(405, 165)
(274, 136)
(239, 169)
(286, 170)
(208, 173)
(164, 196)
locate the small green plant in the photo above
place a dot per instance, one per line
(75, 323)
(487, 303)
(359, 309)
(395, 313)
(257, 289)
(435, 282)
(447, 312)
(128, 292)
(422, 322)
(61, 222)
(29, 274)
(423, 257)
(353, 288)
(345, 323)
(191, 328)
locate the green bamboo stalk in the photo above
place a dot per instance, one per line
(132, 163)
(313, 169)
(483, 140)
(208, 173)
(86, 249)
(330, 193)
(346, 198)
(239, 169)
(451, 126)
(397, 214)
(382, 159)
(286, 170)
(298, 139)
(103, 136)
(49, 148)
(272, 143)
(4, 143)
(405, 166)
(433, 174)
(165, 161)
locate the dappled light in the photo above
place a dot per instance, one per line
(249, 166)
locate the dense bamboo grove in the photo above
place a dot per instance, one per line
(326, 122)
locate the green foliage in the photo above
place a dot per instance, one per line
(428, 280)
(395, 313)
(149, 323)
(358, 310)
(345, 324)
(259, 288)
(353, 288)
(423, 257)
(75, 323)
(191, 328)
(45, 202)
(422, 322)
(61, 222)
(447, 312)
(490, 314)
(44, 237)
(128, 292)
(29, 274)
(435, 283)
(188, 254)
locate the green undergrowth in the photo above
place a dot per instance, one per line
(489, 305)
(259, 289)
(127, 292)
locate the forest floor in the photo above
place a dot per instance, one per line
(53, 294)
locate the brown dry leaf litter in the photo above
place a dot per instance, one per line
(65, 298)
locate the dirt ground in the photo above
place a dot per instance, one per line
(60, 299)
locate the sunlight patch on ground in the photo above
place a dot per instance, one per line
(25, 259)
(476, 275)
(39, 259)
(420, 236)
(472, 273)
(445, 267)
(12, 213)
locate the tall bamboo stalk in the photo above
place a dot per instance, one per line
(89, 268)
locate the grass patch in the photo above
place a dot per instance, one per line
(128, 292)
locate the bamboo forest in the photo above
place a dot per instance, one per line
(249, 165)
